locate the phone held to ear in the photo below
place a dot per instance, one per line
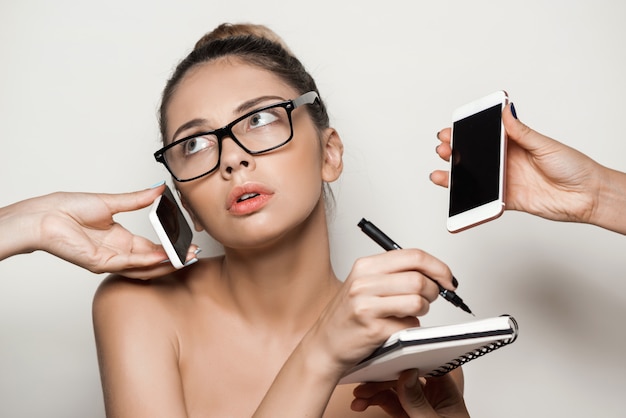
(171, 227)
(478, 163)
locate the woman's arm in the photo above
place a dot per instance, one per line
(382, 294)
(136, 352)
(610, 208)
(79, 228)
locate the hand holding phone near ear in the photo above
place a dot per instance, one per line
(478, 162)
(171, 227)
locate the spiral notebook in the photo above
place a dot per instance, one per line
(434, 350)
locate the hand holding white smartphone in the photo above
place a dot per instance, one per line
(478, 162)
(171, 227)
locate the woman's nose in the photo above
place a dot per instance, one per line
(233, 156)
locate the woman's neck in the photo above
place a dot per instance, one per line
(287, 283)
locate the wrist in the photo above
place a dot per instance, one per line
(19, 231)
(316, 358)
(609, 209)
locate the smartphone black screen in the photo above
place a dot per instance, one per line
(174, 224)
(475, 169)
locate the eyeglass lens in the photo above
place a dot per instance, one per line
(258, 132)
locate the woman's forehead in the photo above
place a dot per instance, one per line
(216, 89)
(230, 80)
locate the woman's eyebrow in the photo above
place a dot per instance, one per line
(190, 124)
(250, 104)
(242, 108)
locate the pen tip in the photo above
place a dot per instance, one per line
(467, 309)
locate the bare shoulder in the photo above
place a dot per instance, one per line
(122, 299)
(123, 308)
(122, 295)
(138, 327)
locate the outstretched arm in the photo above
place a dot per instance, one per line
(549, 179)
(79, 228)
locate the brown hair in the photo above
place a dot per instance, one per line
(228, 30)
(256, 45)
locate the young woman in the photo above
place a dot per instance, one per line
(267, 329)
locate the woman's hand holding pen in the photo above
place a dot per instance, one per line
(382, 294)
(388, 244)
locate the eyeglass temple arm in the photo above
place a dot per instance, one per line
(307, 98)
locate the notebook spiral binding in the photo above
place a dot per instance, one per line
(474, 354)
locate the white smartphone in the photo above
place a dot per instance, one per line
(478, 163)
(171, 227)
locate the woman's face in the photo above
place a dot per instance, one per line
(249, 200)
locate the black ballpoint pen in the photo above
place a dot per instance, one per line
(387, 243)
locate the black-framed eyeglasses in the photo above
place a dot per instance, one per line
(259, 131)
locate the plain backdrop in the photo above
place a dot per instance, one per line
(80, 83)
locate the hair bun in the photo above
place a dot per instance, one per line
(232, 30)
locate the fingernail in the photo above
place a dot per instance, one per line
(430, 177)
(190, 262)
(155, 185)
(455, 282)
(513, 112)
(438, 134)
(437, 148)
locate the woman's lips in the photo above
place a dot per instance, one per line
(248, 198)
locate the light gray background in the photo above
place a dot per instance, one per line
(79, 87)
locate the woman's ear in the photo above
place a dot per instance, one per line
(332, 149)
(194, 218)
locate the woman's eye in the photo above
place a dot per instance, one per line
(197, 144)
(261, 119)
